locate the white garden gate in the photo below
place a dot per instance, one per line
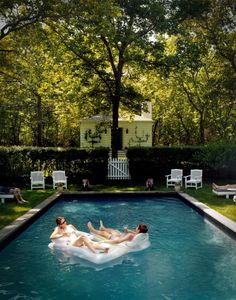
(118, 169)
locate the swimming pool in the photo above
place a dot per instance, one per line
(188, 259)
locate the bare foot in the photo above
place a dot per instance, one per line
(214, 186)
(90, 226)
(101, 225)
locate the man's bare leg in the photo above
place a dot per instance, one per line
(103, 233)
(112, 231)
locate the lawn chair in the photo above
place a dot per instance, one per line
(175, 176)
(194, 179)
(225, 192)
(37, 180)
(59, 178)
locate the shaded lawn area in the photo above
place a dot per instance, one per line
(226, 207)
(11, 211)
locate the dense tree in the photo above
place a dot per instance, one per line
(92, 56)
(108, 41)
(15, 15)
(40, 79)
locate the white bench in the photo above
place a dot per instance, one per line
(5, 196)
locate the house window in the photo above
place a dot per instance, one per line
(127, 130)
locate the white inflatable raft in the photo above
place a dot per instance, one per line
(139, 242)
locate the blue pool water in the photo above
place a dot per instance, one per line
(189, 259)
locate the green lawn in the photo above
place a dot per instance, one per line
(10, 211)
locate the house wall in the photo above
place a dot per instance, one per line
(92, 141)
(135, 133)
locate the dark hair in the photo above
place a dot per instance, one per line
(142, 228)
(59, 219)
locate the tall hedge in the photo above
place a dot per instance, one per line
(16, 163)
(216, 161)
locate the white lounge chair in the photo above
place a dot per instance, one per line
(224, 192)
(194, 179)
(37, 180)
(59, 177)
(5, 196)
(175, 176)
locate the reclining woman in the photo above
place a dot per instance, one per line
(15, 191)
(114, 236)
(71, 236)
(223, 187)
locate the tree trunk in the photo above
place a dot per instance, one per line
(201, 130)
(116, 102)
(39, 122)
(115, 126)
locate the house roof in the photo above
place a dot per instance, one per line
(103, 118)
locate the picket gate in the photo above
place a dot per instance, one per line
(118, 169)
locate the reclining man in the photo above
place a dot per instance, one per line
(114, 236)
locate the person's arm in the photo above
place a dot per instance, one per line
(127, 230)
(56, 234)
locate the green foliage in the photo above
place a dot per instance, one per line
(16, 163)
(106, 54)
(216, 161)
(158, 161)
(220, 158)
(17, 14)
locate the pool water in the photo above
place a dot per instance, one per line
(188, 258)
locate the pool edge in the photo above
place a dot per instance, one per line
(225, 224)
(10, 231)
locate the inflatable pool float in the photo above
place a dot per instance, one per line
(139, 242)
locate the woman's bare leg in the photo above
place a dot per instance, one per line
(17, 194)
(84, 241)
(81, 241)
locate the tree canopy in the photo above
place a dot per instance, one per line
(65, 60)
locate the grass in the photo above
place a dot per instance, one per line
(11, 211)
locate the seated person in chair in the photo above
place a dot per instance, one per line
(223, 187)
(14, 191)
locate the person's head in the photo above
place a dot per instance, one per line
(60, 221)
(142, 228)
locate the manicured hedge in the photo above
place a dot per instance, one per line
(216, 161)
(17, 162)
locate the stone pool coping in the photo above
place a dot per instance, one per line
(10, 231)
